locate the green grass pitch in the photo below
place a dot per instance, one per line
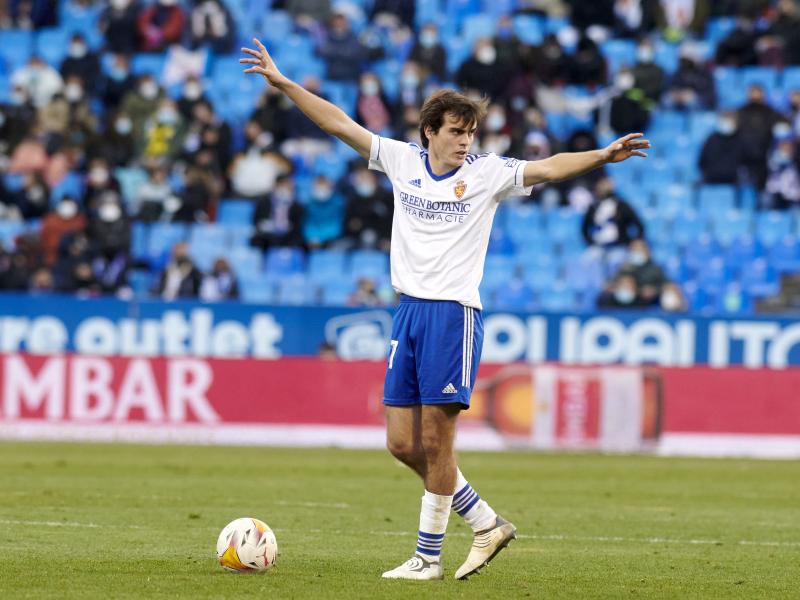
(125, 521)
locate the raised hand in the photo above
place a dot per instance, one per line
(263, 64)
(625, 147)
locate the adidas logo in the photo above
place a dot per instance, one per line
(415, 182)
(450, 389)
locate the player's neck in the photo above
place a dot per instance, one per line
(439, 167)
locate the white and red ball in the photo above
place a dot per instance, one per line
(247, 545)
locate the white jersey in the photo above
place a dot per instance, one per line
(441, 225)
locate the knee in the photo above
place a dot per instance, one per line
(434, 447)
(404, 450)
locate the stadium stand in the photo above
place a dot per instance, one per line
(726, 244)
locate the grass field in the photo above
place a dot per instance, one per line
(121, 521)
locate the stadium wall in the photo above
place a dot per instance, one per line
(193, 373)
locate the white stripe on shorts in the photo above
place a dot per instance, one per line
(466, 357)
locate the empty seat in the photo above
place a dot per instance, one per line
(236, 212)
(285, 261)
(772, 226)
(369, 263)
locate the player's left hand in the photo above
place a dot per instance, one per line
(625, 147)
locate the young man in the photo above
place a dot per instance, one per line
(445, 200)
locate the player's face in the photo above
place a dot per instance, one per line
(451, 143)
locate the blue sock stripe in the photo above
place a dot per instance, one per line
(428, 552)
(422, 544)
(460, 493)
(466, 509)
(431, 536)
(462, 502)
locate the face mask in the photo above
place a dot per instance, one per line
(645, 54)
(624, 296)
(35, 194)
(495, 121)
(167, 116)
(365, 189)
(192, 91)
(670, 301)
(409, 80)
(67, 209)
(18, 97)
(637, 258)
(73, 92)
(120, 4)
(118, 74)
(123, 126)
(149, 89)
(518, 103)
(109, 212)
(782, 158)
(98, 176)
(283, 194)
(77, 50)
(486, 55)
(625, 81)
(369, 88)
(781, 131)
(428, 39)
(321, 193)
(726, 126)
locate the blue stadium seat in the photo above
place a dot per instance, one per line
(718, 28)
(730, 92)
(71, 185)
(213, 235)
(514, 294)
(716, 198)
(9, 230)
(559, 298)
(341, 93)
(500, 241)
(329, 165)
(667, 56)
(540, 276)
(498, 269)
(772, 226)
(791, 79)
(701, 251)
(528, 28)
(784, 256)
(730, 225)
(295, 291)
(523, 223)
(285, 261)
(743, 250)
(326, 265)
(153, 64)
(52, 44)
(204, 255)
(713, 274)
(619, 53)
(163, 236)
(233, 211)
(701, 125)
(247, 262)
(369, 263)
(584, 274)
(276, 25)
(141, 282)
(563, 224)
(257, 289)
(478, 26)
(336, 292)
(733, 300)
(458, 50)
(673, 200)
(766, 77)
(140, 234)
(16, 48)
(758, 278)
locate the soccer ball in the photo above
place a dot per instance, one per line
(247, 545)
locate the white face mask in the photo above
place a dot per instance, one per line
(67, 209)
(73, 92)
(321, 193)
(123, 126)
(98, 176)
(192, 91)
(670, 301)
(486, 55)
(625, 81)
(624, 295)
(120, 4)
(495, 121)
(638, 258)
(645, 54)
(77, 50)
(369, 87)
(109, 212)
(428, 39)
(149, 89)
(726, 126)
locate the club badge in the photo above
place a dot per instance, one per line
(460, 188)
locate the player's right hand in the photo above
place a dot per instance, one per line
(263, 64)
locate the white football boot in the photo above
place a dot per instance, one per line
(418, 568)
(485, 546)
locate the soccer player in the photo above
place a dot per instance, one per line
(445, 200)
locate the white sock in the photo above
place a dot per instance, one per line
(432, 524)
(467, 503)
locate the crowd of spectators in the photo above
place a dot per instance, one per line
(155, 147)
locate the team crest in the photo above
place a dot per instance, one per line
(460, 188)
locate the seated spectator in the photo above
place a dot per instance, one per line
(39, 80)
(180, 278)
(551, 63)
(15, 271)
(780, 44)
(160, 25)
(141, 103)
(110, 235)
(304, 10)
(692, 85)
(365, 294)
(272, 113)
(343, 53)
(118, 82)
(622, 293)
(155, 197)
(82, 62)
(634, 18)
(647, 75)
(672, 298)
(32, 156)
(794, 112)
(429, 53)
(99, 180)
(18, 115)
(254, 171)
(649, 277)
(56, 224)
(480, 73)
(220, 283)
(373, 109)
(681, 18)
(783, 180)
(202, 189)
(207, 133)
(587, 65)
(163, 133)
(496, 131)
(609, 220)
(630, 108)
(212, 25)
(756, 120)
(303, 138)
(278, 217)
(323, 218)
(42, 281)
(738, 49)
(409, 98)
(33, 200)
(118, 24)
(53, 117)
(368, 211)
(192, 94)
(114, 145)
(724, 142)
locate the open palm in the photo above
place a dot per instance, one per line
(625, 147)
(262, 63)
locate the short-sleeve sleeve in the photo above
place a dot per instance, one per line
(387, 154)
(506, 177)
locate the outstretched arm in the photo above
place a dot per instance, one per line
(329, 117)
(571, 164)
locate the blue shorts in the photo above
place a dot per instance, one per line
(434, 353)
